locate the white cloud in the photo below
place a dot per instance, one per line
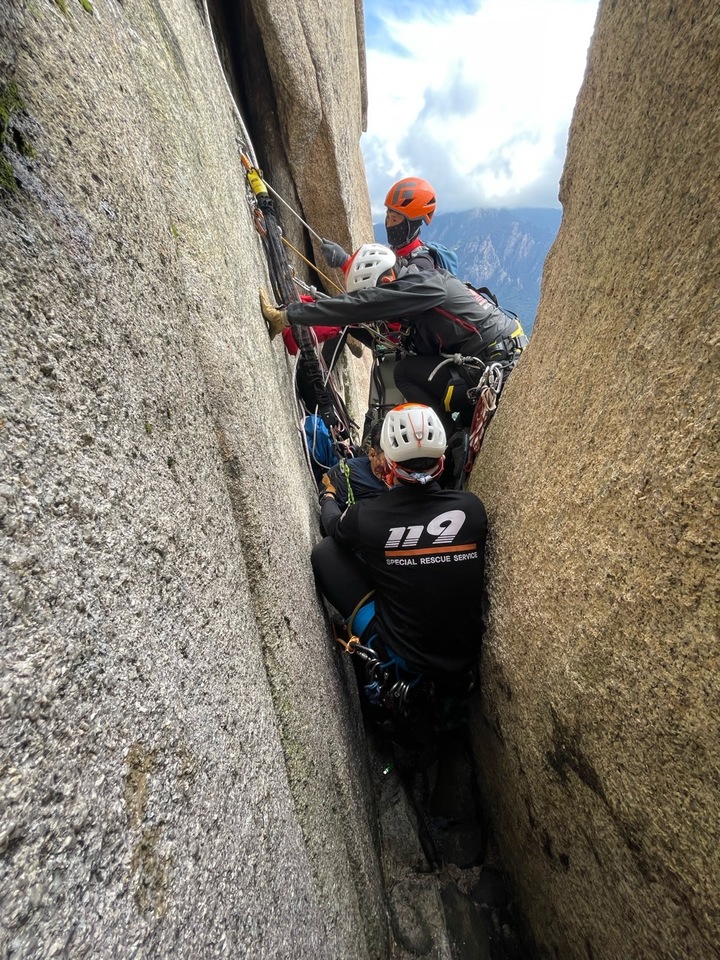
(481, 102)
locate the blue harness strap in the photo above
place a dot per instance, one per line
(389, 680)
(361, 620)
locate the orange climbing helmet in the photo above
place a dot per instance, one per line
(412, 197)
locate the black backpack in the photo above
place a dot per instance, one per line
(489, 295)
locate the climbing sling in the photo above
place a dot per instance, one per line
(345, 468)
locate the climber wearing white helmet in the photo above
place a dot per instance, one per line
(371, 264)
(416, 546)
(440, 317)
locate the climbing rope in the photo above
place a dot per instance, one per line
(485, 407)
(328, 403)
(309, 262)
(293, 212)
(282, 277)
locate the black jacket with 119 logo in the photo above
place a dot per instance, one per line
(425, 551)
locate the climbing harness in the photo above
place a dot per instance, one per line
(409, 709)
(389, 684)
(484, 398)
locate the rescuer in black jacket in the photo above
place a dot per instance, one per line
(440, 314)
(418, 547)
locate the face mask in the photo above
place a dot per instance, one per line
(399, 235)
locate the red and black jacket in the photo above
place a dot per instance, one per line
(442, 313)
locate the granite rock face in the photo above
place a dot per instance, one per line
(298, 69)
(600, 472)
(317, 65)
(183, 771)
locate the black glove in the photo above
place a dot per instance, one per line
(329, 417)
(334, 253)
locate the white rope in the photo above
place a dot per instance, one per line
(293, 212)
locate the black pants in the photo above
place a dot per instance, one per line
(340, 575)
(343, 579)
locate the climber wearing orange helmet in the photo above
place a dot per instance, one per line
(410, 203)
(440, 316)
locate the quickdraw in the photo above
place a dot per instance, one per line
(345, 470)
(388, 682)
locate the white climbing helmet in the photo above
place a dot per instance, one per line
(368, 265)
(412, 431)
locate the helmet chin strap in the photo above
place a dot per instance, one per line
(408, 476)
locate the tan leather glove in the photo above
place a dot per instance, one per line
(276, 319)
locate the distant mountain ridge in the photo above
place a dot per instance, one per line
(504, 250)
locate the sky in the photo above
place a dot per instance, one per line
(475, 96)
